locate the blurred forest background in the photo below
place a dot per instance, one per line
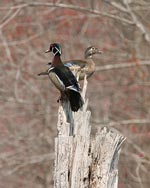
(118, 92)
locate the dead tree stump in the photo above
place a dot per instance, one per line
(80, 160)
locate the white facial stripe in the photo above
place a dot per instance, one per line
(51, 68)
(57, 50)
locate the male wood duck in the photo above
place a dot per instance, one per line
(63, 79)
(82, 67)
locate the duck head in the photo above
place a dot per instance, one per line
(90, 51)
(55, 48)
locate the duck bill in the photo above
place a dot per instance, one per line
(47, 51)
(99, 52)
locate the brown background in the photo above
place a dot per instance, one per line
(118, 92)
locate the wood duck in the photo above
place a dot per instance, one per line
(63, 79)
(82, 67)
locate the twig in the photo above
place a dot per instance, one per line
(121, 65)
(137, 22)
(116, 5)
(10, 18)
(4, 41)
(69, 6)
(124, 122)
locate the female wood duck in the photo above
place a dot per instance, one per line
(86, 66)
(82, 67)
(63, 79)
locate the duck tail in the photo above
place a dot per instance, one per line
(76, 101)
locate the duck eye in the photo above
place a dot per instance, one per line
(93, 48)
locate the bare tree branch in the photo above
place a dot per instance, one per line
(73, 7)
(4, 41)
(123, 122)
(139, 25)
(122, 65)
(10, 18)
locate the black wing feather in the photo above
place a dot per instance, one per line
(68, 79)
(66, 76)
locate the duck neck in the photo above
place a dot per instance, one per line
(56, 61)
(90, 63)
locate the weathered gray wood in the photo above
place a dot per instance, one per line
(105, 150)
(82, 161)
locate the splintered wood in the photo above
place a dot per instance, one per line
(80, 160)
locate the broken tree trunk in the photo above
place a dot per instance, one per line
(80, 160)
